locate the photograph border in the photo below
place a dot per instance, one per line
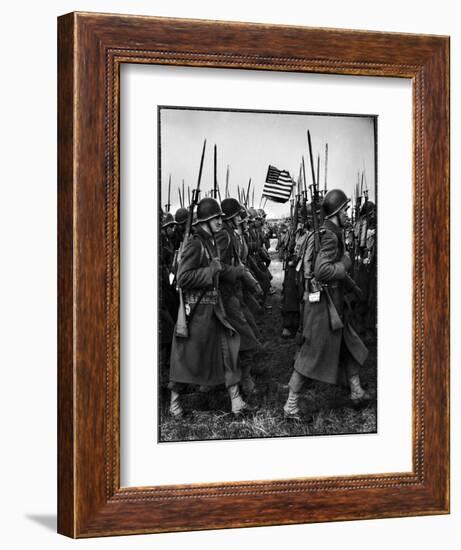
(91, 48)
(282, 112)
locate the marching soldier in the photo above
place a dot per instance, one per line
(331, 351)
(235, 276)
(250, 294)
(366, 269)
(258, 260)
(208, 356)
(181, 216)
(290, 297)
(168, 297)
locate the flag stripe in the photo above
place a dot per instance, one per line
(276, 192)
(284, 188)
(278, 185)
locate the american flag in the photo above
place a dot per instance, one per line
(278, 185)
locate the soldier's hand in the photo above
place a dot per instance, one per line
(258, 290)
(239, 270)
(215, 265)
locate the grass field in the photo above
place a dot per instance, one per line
(327, 407)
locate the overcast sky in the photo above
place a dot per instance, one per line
(249, 141)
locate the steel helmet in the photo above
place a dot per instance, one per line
(243, 212)
(367, 208)
(182, 215)
(168, 220)
(208, 209)
(252, 213)
(231, 207)
(333, 202)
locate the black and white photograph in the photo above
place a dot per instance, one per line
(267, 274)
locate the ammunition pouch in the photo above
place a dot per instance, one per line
(209, 297)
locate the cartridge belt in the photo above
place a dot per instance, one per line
(207, 297)
(330, 285)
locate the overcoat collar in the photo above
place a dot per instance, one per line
(328, 224)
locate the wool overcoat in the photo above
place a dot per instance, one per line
(231, 286)
(209, 356)
(325, 352)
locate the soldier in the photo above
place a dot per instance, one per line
(282, 240)
(366, 270)
(258, 258)
(181, 216)
(168, 297)
(235, 276)
(249, 297)
(209, 355)
(167, 294)
(331, 351)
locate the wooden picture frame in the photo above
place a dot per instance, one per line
(92, 48)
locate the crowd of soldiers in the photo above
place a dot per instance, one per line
(215, 281)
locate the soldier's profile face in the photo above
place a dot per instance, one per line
(343, 217)
(216, 224)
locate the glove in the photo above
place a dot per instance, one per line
(215, 266)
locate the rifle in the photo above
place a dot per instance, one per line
(314, 197)
(335, 320)
(247, 200)
(182, 330)
(227, 182)
(304, 180)
(168, 204)
(326, 169)
(215, 176)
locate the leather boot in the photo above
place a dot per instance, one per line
(248, 385)
(176, 410)
(359, 397)
(239, 407)
(291, 409)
